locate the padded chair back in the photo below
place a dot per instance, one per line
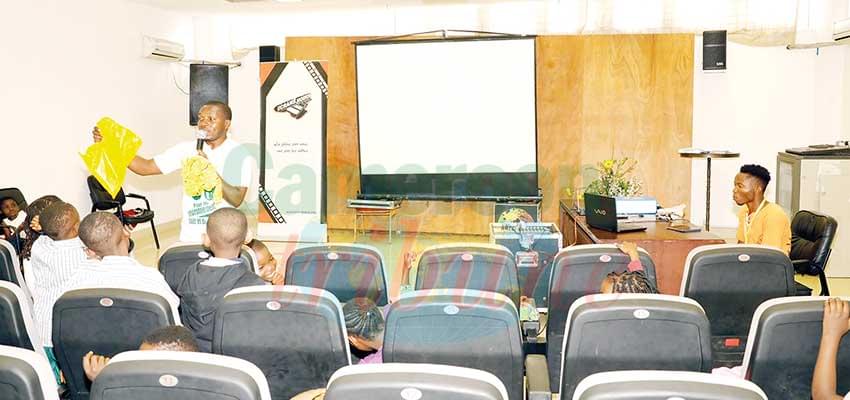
(579, 271)
(346, 270)
(475, 266)
(464, 328)
(174, 262)
(665, 385)
(168, 375)
(105, 321)
(811, 239)
(10, 270)
(25, 375)
(613, 332)
(295, 335)
(17, 328)
(100, 198)
(413, 381)
(730, 281)
(783, 347)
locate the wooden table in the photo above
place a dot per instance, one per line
(668, 249)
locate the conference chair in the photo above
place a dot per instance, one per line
(783, 348)
(17, 328)
(413, 381)
(578, 271)
(106, 322)
(10, 270)
(463, 328)
(344, 269)
(730, 281)
(474, 266)
(146, 375)
(176, 259)
(25, 375)
(295, 335)
(665, 385)
(811, 244)
(101, 200)
(613, 332)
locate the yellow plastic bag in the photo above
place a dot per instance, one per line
(108, 159)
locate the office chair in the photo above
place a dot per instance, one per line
(102, 201)
(811, 244)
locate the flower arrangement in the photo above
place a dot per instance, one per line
(615, 178)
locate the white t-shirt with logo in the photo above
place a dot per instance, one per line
(231, 160)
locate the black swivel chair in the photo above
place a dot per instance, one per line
(811, 244)
(101, 200)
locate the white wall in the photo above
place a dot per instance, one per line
(769, 99)
(65, 65)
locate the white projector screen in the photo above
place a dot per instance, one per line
(449, 118)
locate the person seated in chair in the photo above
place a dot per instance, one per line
(836, 323)
(364, 322)
(203, 286)
(13, 217)
(759, 221)
(267, 262)
(169, 338)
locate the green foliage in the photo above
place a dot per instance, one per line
(615, 179)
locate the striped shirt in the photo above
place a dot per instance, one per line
(53, 264)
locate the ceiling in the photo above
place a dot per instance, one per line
(264, 6)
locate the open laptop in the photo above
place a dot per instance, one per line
(601, 212)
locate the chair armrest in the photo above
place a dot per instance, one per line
(140, 197)
(537, 378)
(801, 264)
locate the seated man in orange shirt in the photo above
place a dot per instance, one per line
(759, 221)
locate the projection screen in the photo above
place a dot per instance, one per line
(447, 119)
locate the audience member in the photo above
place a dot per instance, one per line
(631, 250)
(627, 282)
(759, 221)
(205, 283)
(268, 263)
(169, 338)
(836, 323)
(31, 229)
(365, 325)
(13, 217)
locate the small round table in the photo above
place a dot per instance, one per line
(708, 155)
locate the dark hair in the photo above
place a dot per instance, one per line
(35, 208)
(228, 113)
(631, 282)
(363, 318)
(101, 232)
(2, 199)
(56, 220)
(172, 338)
(758, 172)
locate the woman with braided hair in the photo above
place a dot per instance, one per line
(365, 324)
(30, 229)
(627, 282)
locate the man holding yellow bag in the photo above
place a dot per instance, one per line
(219, 171)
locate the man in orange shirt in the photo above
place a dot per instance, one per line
(759, 221)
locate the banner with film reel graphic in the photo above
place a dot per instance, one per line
(293, 131)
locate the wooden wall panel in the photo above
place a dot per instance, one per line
(597, 96)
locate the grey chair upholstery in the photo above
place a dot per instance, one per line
(578, 271)
(730, 281)
(105, 321)
(811, 244)
(472, 266)
(665, 385)
(17, 328)
(783, 348)
(25, 375)
(413, 381)
(295, 335)
(464, 328)
(346, 270)
(167, 375)
(10, 269)
(633, 332)
(174, 262)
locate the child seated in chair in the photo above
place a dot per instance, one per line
(364, 322)
(267, 262)
(13, 217)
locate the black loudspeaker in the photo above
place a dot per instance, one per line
(269, 53)
(713, 50)
(207, 82)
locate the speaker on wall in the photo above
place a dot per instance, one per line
(269, 53)
(207, 82)
(713, 50)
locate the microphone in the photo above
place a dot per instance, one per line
(200, 145)
(201, 135)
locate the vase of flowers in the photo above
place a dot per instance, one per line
(615, 178)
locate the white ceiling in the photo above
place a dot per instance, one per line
(265, 6)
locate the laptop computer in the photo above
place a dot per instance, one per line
(601, 212)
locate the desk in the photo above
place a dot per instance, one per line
(668, 249)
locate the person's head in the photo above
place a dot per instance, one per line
(104, 235)
(627, 282)
(9, 207)
(60, 221)
(750, 184)
(214, 118)
(34, 209)
(264, 257)
(365, 324)
(170, 338)
(226, 230)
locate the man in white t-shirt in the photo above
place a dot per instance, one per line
(230, 159)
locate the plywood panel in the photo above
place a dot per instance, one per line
(597, 96)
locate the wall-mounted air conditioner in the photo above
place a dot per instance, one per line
(841, 29)
(161, 49)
